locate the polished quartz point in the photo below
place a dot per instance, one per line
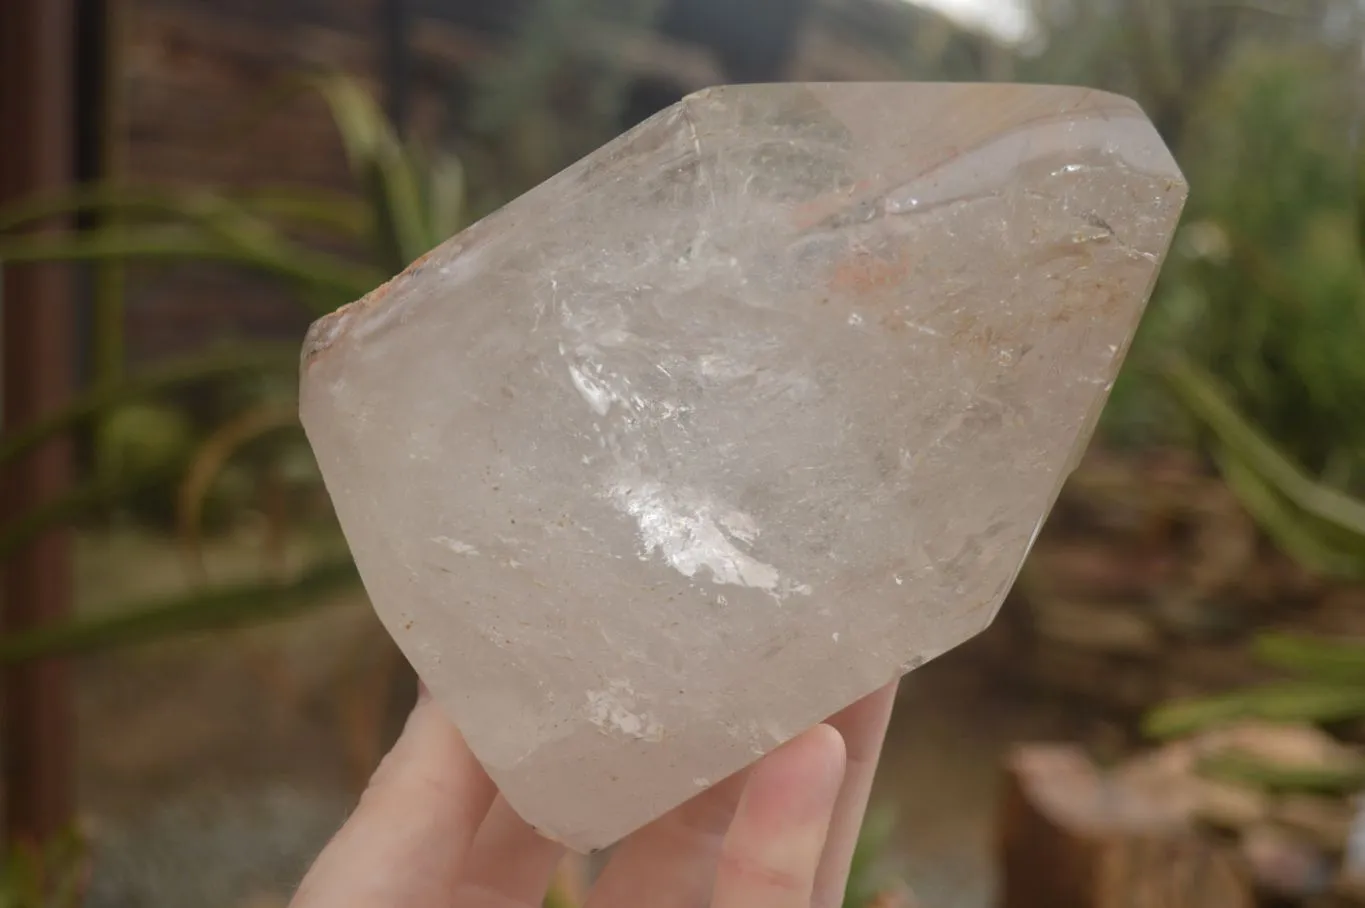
(734, 421)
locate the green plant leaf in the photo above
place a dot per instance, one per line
(176, 373)
(446, 194)
(148, 243)
(337, 213)
(75, 503)
(50, 874)
(269, 254)
(333, 212)
(104, 199)
(1308, 515)
(200, 224)
(385, 169)
(218, 608)
(1358, 178)
(408, 208)
(1319, 659)
(1286, 701)
(1245, 769)
(213, 455)
(361, 124)
(1297, 534)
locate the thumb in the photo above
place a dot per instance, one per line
(405, 845)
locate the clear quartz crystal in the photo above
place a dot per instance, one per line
(734, 421)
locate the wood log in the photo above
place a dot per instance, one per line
(1071, 837)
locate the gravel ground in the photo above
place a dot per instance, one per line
(247, 848)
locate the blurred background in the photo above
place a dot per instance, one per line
(1168, 710)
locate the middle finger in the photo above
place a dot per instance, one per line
(510, 864)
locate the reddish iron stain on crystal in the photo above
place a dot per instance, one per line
(863, 273)
(374, 297)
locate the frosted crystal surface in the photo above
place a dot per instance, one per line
(734, 421)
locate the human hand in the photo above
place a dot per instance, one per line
(432, 832)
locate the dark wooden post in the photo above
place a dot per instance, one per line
(38, 123)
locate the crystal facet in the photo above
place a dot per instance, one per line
(734, 421)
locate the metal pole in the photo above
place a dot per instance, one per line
(37, 120)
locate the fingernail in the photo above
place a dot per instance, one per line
(423, 692)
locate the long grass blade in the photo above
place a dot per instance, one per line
(1199, 392)
(104, 199)
(1296, 533)
(1320, 659)
(1287, 701)
(73, 504)
(220, 608)
(1244, 769)
(176, 373)
(383, 166)
(208, 462)
(324, 209)
(346, 280)
(446, 208)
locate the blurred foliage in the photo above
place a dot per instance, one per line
(1281, 701)
(217, 607)
(553, 97)
(50, 875)
(527, 80)
(1320, 526)
(407, 202)
(149, 449)
(1327, 686)
(1257, 334)
(1324, 529)
(1277, 776)
(1264, 286)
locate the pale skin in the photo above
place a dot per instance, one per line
(431, 831)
